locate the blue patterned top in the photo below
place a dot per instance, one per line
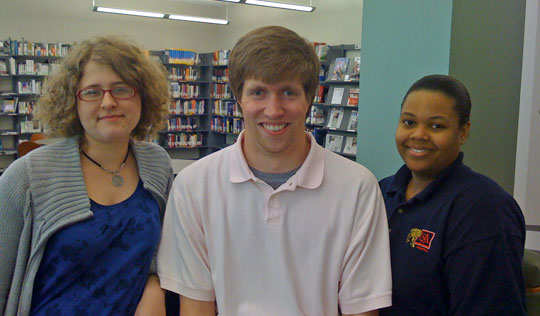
(99, 266)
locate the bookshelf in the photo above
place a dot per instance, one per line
(23, 66)
(334, 114)
(204, 116)
(226, 118)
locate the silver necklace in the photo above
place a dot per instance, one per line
(117, 179)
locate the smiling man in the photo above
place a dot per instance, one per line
(275, 224)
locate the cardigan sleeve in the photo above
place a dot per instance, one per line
(13, 200)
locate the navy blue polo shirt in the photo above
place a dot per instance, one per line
(456, 247)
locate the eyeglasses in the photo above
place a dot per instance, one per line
(96, 94)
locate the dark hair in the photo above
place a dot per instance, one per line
(449, 86)
(271, 53)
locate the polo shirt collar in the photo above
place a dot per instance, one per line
(403, 175)
(309, 176)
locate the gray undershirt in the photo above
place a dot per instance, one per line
(274, 179)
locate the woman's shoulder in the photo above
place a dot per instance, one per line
(149, 148)
(481, 202)
(152, 159)
(151, 154)
(385, 182)
(15, 174)
(472, 184)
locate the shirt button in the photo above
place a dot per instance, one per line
(400, 211)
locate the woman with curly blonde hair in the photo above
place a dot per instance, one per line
(80, 219)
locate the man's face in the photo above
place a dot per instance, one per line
(274, 116)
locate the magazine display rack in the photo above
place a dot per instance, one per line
(334, 114)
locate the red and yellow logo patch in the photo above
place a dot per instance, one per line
(420, 239)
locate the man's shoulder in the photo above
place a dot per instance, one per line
(339, 166)
(211, 164)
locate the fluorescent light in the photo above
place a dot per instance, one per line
(280, 5)
(230, 0)
(130, 12)
(161, 15)
(197, 19)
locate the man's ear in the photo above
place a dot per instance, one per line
(239, 102)
(464, 132)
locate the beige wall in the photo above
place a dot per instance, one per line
(527, 181)
(334, 22)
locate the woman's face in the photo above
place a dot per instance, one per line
(428, 136)
(110, 119)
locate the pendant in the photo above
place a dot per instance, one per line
(117, 180)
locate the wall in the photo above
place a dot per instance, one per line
(335, 22)
(486, 55)
(402, 41)
(479, 42)
(70, 21)
(527, 180)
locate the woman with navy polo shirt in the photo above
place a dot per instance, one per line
(456, 237)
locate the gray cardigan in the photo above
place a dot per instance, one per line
(43, 192)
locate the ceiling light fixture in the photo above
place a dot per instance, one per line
(160, 15)
(280, 5)
(273, 4)
(130, 12)
(197, 19)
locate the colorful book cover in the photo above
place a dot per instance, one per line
(335, 118)
(353, 121)
(350, 145)
(352, 100)
(334, 142)
(340, 68)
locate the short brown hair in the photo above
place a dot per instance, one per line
(57, 107)
(271, 53)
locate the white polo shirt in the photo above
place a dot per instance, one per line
(318, 241)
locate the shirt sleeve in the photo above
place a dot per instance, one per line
(183, 263)
(13, 197)
(366, 281)
(482, 263)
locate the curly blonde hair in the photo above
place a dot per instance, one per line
(57, 106)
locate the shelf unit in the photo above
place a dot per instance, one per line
(334, 114)
(204, 114)
(21, 77)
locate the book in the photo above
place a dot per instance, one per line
(3, 68)
(334, 142)
(340, 68)
(352, 100)
(335, 118)
(321, 49)
(337, 95)
(355, 69)
(8, 106)
(350, 145)
(316, 116)
(353, 121)
(321, 92)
